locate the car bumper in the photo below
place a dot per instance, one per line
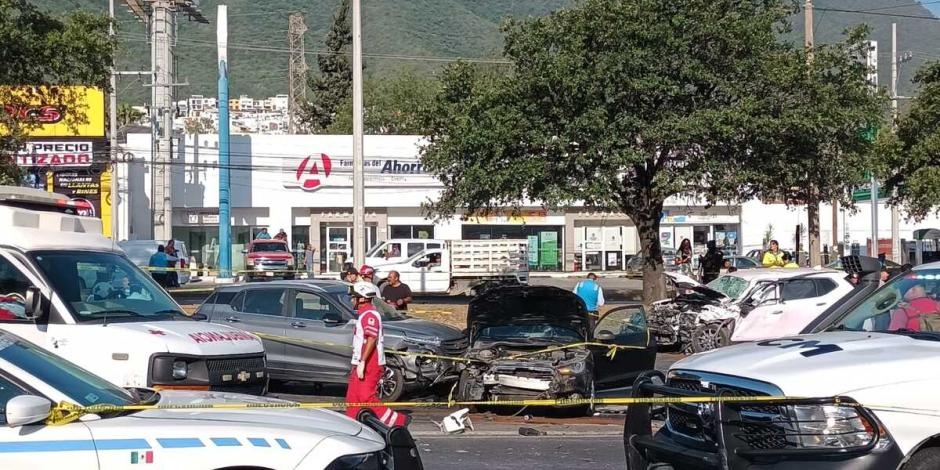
(726, 450)
(401, 452)
(244, 373)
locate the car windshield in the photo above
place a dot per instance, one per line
(535, 333)
(83, 387)
(906, 302)
(376, 250)
(105, 287)
(732, 286)
(268, 247)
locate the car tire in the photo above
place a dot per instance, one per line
(710, 336)
(392, 384)
(924, 459)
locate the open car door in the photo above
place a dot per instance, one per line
(619, 367)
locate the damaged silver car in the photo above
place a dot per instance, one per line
(530, 343)
(695, 319)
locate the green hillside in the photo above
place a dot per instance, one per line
(425, 34)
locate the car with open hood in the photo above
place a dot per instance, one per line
(541, 342)
(185, 432)
(307, 328)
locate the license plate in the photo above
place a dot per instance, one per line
(269, 274)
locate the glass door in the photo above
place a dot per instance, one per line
(338, 247)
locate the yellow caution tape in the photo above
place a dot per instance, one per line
(66, 412)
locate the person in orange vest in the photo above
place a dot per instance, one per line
(368, 358)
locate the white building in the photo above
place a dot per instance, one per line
(303, 184)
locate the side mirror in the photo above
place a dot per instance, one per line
(604, 335)
(27, 409)
(33, 307)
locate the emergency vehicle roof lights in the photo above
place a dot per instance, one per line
(36, 198)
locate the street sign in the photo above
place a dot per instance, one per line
(865, 194)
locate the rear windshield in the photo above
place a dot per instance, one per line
(269, 247)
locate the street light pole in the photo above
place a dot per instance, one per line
(112, 103)
(359, 223)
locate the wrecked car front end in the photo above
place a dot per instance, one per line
(527, 342)
(675, 321)
(508, 374)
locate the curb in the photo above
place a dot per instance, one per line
(548, 434)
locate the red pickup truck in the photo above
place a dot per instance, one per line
(268, 258)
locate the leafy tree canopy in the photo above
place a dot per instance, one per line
(391, 104)
(38, 52)
(333, 85)
(911, 170)
(621, 104)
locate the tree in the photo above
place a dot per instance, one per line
(392, 104)
(620, 105)
(126, 114)
(333, 85)
(41, 51)
(911, 170)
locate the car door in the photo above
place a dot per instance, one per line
(427, 273)
(262, 311)
(38, 445)
(322, 337)
(786, 314)
(622, 326)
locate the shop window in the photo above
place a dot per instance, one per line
(411, 231)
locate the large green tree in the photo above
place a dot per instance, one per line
(621, 104)
(332, 86)
(392, 104)
(911, 171)
(39, 51)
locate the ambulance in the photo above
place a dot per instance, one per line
(69, 289)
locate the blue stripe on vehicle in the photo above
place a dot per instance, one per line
(282, 443)
(259, 442)
(180, 442)
(226, 442)
(73, 445)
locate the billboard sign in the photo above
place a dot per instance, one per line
(56, 154)
(60, 111)
(320, 170)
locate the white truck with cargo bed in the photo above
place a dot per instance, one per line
(460, 266)
(69, 289)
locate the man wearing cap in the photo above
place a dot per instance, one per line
(368, 358)
(350, 274)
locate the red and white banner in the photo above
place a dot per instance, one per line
(56, 154)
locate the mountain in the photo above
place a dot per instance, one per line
(426, 34)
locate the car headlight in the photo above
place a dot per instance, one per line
(573, 368)
(422, 340)
(180, 370)
(829, 427)
(356, 462)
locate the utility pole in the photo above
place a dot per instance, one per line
(163, 37)
(359, 219)
(225, 219)
(812, 209)
(112, 132)
(873, 79)
(895, 217)
(297, 73)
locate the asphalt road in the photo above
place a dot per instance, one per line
(505, 452)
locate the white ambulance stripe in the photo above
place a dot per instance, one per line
(385, 416)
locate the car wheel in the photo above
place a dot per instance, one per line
(392, 384)
(924, 459)
(710, 336)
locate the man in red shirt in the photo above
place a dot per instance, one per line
(916, 303)
(368, 358)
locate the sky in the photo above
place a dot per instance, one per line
(933, 7)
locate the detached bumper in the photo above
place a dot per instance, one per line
(732, 442)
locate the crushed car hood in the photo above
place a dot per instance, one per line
(513, 305)
(416, 327)
(825, 364)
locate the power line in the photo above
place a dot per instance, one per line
(862, 12)
(908, 5)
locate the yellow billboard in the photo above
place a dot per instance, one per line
(54, 111)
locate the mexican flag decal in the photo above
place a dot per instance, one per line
(142, 457)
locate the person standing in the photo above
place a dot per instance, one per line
(157, 264)
(684, 257)
(367, 273)
(263, 234)
(773, 257)
(349, 275)
(281, 235)
(396, 293)
(308, 258)
(172, 255)
(368, 359)
(711, 262)
(591, 293)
